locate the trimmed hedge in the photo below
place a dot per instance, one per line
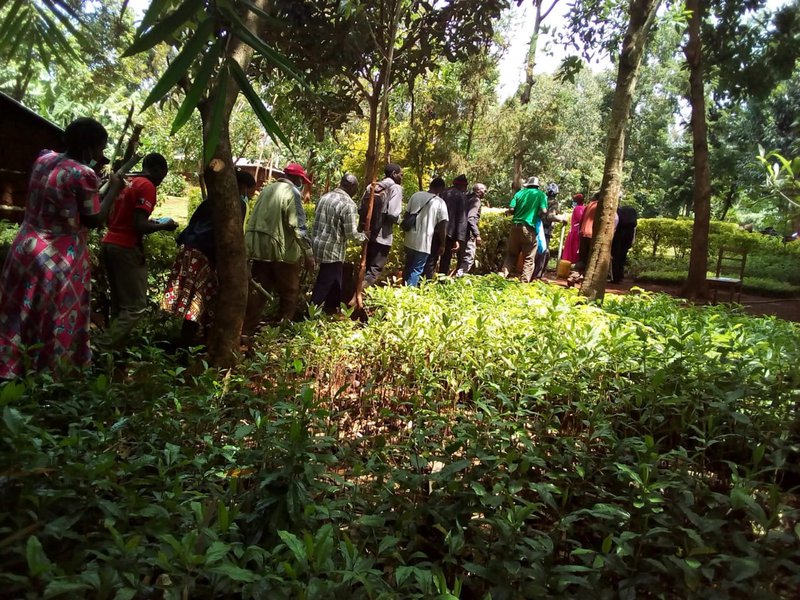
(657, 237)
(758, 285)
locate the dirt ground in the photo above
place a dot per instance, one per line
(784, 308)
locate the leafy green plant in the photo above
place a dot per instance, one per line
(475, 438)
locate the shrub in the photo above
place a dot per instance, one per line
(195, 198)
(174, 184)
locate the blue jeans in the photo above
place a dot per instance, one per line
(415, 263)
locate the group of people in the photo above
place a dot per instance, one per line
(45, 304)
(440, 224)
(579, 240)
(46, 279)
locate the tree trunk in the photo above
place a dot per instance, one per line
(372, 137)
(642, 14)
(696, 286)
(223, 192)
(384, 126)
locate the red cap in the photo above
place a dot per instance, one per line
(297, 169)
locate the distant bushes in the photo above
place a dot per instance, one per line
(658, 237)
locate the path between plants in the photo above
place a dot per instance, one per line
(783, 308)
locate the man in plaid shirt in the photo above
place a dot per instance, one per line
(335, 222)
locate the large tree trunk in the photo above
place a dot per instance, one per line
(642, 14)
(223, 192)
(696, 286)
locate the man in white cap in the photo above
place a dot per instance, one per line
(277, 242)
(528, 206)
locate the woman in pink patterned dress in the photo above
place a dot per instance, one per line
(45, 283)
(570, 252)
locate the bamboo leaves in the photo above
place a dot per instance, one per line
(163, 29)
(181, 64)
(261, 111)
(204, 63)
(52, 26)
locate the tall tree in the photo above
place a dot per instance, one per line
(355, 45)
(696, 285)
(747, 59)
(542, 8)
(641, 15)
(215, 51)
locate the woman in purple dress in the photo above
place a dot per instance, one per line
(45, 284)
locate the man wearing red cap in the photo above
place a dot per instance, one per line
(277, 243)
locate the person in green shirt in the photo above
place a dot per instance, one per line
(528, 206)
(277, 244)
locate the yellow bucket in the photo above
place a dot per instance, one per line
(564, 266)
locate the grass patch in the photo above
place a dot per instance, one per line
(756, 285)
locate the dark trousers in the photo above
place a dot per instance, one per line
(540, 263)
(441, 263)
(432, 262)
(280, 278)
(447, 255)
(620, 245)
(583, 253)
(127, 279)
(377, 255)
(328, 287)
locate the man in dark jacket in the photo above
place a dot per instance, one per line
(624, 236)
(455, 198)
(466, 254)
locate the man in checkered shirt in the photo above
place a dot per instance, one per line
(335, 222)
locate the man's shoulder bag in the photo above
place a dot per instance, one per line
(409, 221)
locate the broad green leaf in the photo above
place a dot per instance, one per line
(199, 86)
(295, 545)
(217, 116)
(261, 111)
(60, 587)
(11, 392)
(151, 15)
(744, 568)
(235, 573)
(451, 469)
(13, 419)
(390, 542)
(162, 30)
(371, 521)
(38, 562)
(180, 65)
(216, 552)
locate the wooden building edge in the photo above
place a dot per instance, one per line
(23, 135)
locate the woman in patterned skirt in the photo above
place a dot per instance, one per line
(45, 286)
(192, 283)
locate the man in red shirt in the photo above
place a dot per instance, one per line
(122, 249)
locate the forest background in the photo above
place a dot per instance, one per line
(457, 117)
